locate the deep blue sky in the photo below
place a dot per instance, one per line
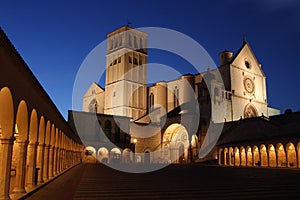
(54, 37)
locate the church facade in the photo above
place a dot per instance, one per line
(161, 106)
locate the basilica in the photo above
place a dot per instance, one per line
(166, 109)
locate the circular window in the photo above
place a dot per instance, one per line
(249, 85)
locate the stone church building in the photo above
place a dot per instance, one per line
(162, 106)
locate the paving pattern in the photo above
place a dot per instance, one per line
(96, 181)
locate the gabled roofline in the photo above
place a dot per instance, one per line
(245, 42)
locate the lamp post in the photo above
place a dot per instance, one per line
(134, 143)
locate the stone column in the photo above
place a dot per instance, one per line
(55, 161)
(58, 161)
(51, 160)
(46, 163)
(64, 159)
(68, 163)
(40, 162)
(21, 166)
(31, 163)
(61, 160)
(6, 148)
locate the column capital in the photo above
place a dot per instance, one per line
(41, 145)
(26, 142)
(33, 143)
(7, 140)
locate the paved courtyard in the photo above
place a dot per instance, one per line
(96, 181)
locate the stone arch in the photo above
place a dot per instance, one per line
(263, 155)
(272, 156)
(103, 155)
(298, 154)
(46, 151)
(256, 156)
(89, 155)
(51, 151)
(249, 156)
(194, 146)
(33, 127)
(176, 143)
(147, 158)
(221, 156)
(17, 184)
(31, 180)
(237, 161)
(250, 111)
(231, 156)
(21, 126)
(48, 133)
(115, 155)
(6, 133)
(243, 156)
(42, 128)
(226, 156)
(291, 155)
(281, 155)
(56, 151)
(127, 155)
(6, 113)
(40, 150)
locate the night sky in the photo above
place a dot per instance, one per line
(55, 37)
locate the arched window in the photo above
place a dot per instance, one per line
(141, 44)
(107, 129)
(135, 42)
(129, 40)
(216, 94)
(176, 97)
(151, 101)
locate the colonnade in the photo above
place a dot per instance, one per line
(279, 154)
(33, 149)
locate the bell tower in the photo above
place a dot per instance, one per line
(126, 59)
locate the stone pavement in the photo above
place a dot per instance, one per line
(96, 181)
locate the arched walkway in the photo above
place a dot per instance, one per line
(249, 156)
(115, 155)
(291, 155)
(28, 122)
(89, 155)
(272, 156)
(103, 155)
(256, 157)
(243, 156)
(231, 156)
(281, 156)
(263, 155)
(237, 161)
(127, 156)
(226, 156)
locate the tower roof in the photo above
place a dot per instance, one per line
(125, 28)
